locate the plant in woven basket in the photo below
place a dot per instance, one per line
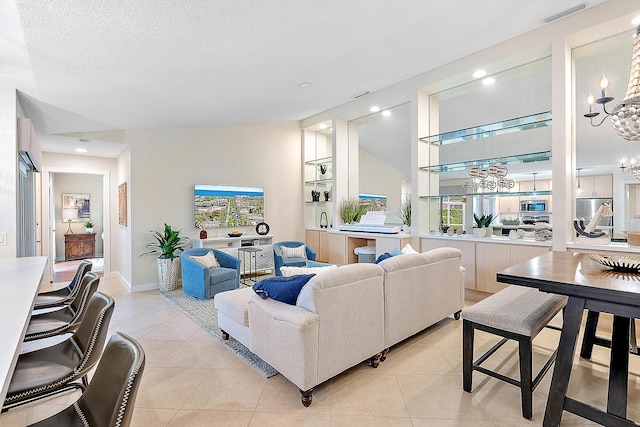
(167, 246)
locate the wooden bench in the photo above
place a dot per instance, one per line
(515, 313)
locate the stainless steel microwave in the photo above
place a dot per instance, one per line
(533, 206)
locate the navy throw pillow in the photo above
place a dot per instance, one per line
(383, 257)
(282, 288)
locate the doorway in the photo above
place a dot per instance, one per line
(54, 229)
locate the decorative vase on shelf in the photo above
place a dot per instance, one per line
(489, 232)
(203, 234)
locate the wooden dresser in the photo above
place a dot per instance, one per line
(79, 246)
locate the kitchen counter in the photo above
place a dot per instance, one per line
(492, 239)
(611, 247)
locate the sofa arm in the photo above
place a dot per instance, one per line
(286, 337)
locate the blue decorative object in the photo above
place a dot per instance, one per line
(202, 282)
(283, 289)
(290, 262)
(383, 257)
(395, 252)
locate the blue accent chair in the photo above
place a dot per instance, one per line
(202, 282)
(290, 262)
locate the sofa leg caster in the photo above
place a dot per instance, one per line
(306, 397)
(384, 354)
(456, 315)
(225, 336)
(375, 360)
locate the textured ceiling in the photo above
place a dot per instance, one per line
(109, 64)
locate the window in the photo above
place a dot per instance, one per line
(453, 213)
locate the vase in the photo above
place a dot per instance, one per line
(480, 232)
(88, 230)
(489, 232)
(203, 234)
(168, 273)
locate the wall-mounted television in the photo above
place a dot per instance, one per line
(227, 206)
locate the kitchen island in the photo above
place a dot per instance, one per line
(483, 257)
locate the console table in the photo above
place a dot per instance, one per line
(230, 245)
(79, 246)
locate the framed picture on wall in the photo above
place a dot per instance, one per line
(122, 204)
(81, 202)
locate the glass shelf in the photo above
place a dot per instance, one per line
(319, 181)
(322, 161)
(508, 160)
(517, 124)
(493, 194)
(319, 201)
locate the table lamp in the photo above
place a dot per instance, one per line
(69, 215)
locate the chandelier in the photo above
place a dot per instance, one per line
(626, 115)
(634, 169)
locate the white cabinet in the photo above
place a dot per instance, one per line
(509, 204)
(230, 245)
(468, 260)
(540, 184)
(596, 186)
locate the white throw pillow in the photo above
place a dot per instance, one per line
(293, 271)
(408, 249)
(208, 260)
(297, 252)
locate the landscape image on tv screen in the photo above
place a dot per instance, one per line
(228, 206)
(373, 202)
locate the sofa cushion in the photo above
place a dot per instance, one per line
(292, 271)
(297, 252)
(281, 288)
(408, 249)
(208, 260)
(234, 304)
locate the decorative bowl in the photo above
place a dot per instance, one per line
(622, 264)
(234, 234)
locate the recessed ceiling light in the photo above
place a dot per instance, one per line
(479, 74)
(374, 109)
(386, 113)
(636, 20)
(304, 84)
(322, 126)
(81, 150)
(488, 81)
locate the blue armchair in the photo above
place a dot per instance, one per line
(279, 261)
(202, 282)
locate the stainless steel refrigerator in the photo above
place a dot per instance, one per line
(587, 208)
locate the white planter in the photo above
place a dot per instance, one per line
(88, 230)
(489, 232)
(168, 273)
(480, 232)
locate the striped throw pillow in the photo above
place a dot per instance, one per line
(297, 252)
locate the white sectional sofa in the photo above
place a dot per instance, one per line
(345, 315)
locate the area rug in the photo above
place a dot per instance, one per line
(204, 314)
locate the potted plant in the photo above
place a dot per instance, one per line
(88, 227)
(350, 210)
(405, 213)
(483, 222)
(167, 246)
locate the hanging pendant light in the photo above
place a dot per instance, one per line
(626, 115)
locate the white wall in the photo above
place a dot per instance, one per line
(78, 183)
(121, 234)
(8, 172)
(166, 163)
(377, 177)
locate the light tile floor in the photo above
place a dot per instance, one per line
(191, 379)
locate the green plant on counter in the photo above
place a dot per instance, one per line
(350, 210)
(405, 211)
(483, 221)
(88, 224)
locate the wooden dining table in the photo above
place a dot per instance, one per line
(594, 287)
(19, 283)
